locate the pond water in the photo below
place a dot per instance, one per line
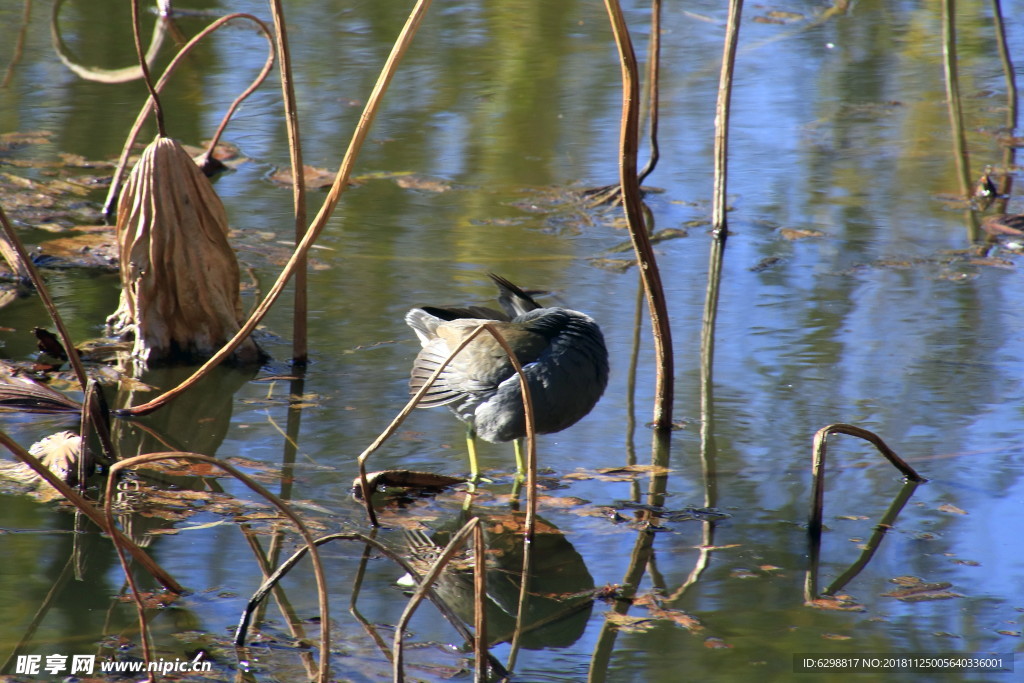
(851, 292)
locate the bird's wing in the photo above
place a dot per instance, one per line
(479, 368)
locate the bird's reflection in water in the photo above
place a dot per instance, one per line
(560, 590)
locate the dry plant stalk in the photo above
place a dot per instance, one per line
(818, 466)
(179, 274)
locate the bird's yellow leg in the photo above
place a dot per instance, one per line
(474, 468)
(520, 468)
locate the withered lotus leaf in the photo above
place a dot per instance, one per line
(179, 274)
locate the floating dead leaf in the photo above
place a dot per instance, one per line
(153, 600)
(742, 573)
(646, 600)
(628, 623)
(560, 502)
(967, 563)
(414, 182)
(836, 604)
(185, 468)
(668, 234)
(583, 475)
(932, 595)
(715, 643)
(677, 617)
(784, 15)
(613, 265)
(766, 263)
(992, 262)
(78, 161)
(409, 480)
(249, 463)
(88, 249)
(901, 264)
(700, 514)
(907, 580)
(794, 234)
(315, 178)
(916, 589)
(638, 469)
(513, 524)
(181, 498)
(259, 516)
(54, 203)
(13, 140)
(658, 236)
(949, 507)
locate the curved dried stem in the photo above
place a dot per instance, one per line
(122, 163)
(319, 222)
(99, 74)
(631, 201)
(818, 466)
(318, 570)
(268, 64)
(653, 90)
(157, 108)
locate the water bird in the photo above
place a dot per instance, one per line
(562, 353)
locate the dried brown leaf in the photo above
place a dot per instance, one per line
(629, 623)
(793, 234)
(632, 469)
(677, 617)
(714, 643)
(413, 182)
(1003, 224)
(315, 178)
(836, 604)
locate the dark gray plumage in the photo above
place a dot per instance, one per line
(562, 353)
